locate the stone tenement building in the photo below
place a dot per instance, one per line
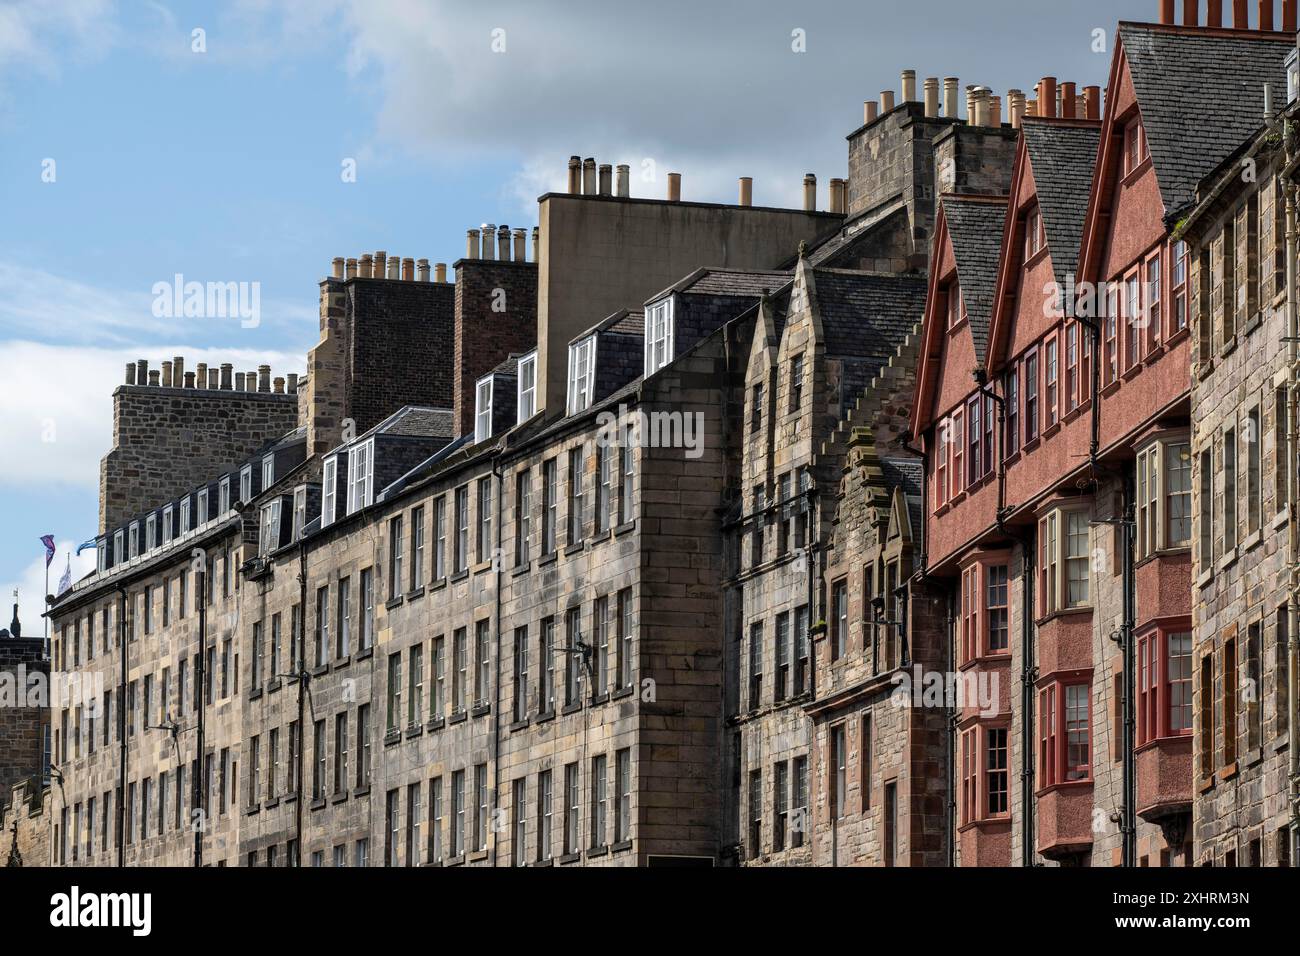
(725, 535)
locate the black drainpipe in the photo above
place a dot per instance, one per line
(1028, 675)
(1128, 809)
(950, 738)
(200, 690)
(121, 730)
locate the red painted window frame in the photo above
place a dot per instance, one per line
(1110, 336)
(1054, 766)
(1179, 291)
(1154, 303)
(943, 434)
(957, 459)
(1154, 688)
(1051, 397)
(1073, 356)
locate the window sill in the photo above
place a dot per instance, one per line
(545, 715)
(273, 685)
(571, 708)
(367, 653)
(600, 537)
(576, 548)
(1227, 561)
(417, 593)
(1111, 389)
(438, 585)
(1282, 518)
(621, 692)
(272, 803)
(542, 863)
(624, 528)
(482, 566)
(317, 804)
(985, 657)
(1230, 771)
(1228, 347)
(459, 576)
(320, 670)
(1206, 578)
(520, 725)
(455, 860)
(255, 693)
(480, 710)
(478, 855)
(598, 699)
(362, 791)
(547, 559)
(570, 858)
(596, 851)
(1065, 785)
(1252, 757)
(339, 798)
(521, 569)
(1065, 612)
(621, 846)
(459, 717)
(394, 602)
(1051, 430)
(1134, 174)
(255, 808)
(435, 723)
(415, 731)
(392, 737)
(342, 662)
(1251, 542)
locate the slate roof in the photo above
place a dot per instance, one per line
(863, 226)
(748, 283)
(867, 314)
(906, 473)
(624, 322)
(975, 231)
(414, 421)
(1201, 94)
(1062, 156)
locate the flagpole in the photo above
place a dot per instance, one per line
(46, 616)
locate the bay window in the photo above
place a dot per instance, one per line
(1064, 733)
(984, 774)
(983, 611)
(1064, 567)
(1164, 497)
(1164, 683)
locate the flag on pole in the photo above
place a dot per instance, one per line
(92, 543)
(48, 541)
(65, 582)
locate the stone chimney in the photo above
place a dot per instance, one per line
(606, 178)
(488, 249)
(520, 237)
(471, 244)
(931, 97)
(589, 176)
(951, 87)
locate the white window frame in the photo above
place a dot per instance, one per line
(150, 532)
(582, 377)
(269, 527)
(201, 507)
(119, 537)
(268, 471)
(185, 516)
(223, 496)
(1154, 494)
(658, 335)
(167, 524)
(361, 476)
(526, 397)
(1055, 551)
(329, 490)
(299, 511)
(134, 539)
(483, 409)
(246, 484)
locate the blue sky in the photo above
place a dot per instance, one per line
(225, 165)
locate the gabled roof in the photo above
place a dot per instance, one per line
(415, 421)
(867, 314)
(1200, 92)
(745, 283)
(974, 225)
(1062, 154)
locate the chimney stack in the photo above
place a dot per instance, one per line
(1289, 18)
(746, 191)
(440, 272)
(1166, 11)
(422, 270)
(886, 100)
(950, 89)
(471, 244)
(1266, 14)
(488, 249)
(838, 204)
(995, 111)
(674, 187)
(575, 178)
(606, 177)
(1191, 13)
(1214, 13)
(130, 373)
(240, 384)
(189, 380)
(537, 242)
(503, 243)
(351, 272)
(589, 176)
(264, 378)
(909, 86)
(293, 383)
(870, 111)
(520, 238)
(931, 96)
(178, 371)
(810, 193)
(1240, 15)
(623, 173)
(250, 381)
(338, 267)
(408, 270)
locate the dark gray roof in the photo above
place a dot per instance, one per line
(509, 367)
(417, 422)
(747, 283)
(975, 230)
(1201, 93)
(624, 322)
(863, 226)
(906, 473)
(867, 314)
(1062, 156)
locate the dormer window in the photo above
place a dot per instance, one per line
(101, 555)
(955, 310)
(329, 484)
(119, 539)
(269, 536)
(483, 409)
(527, 399)
(299, 511)
(167, 524)
(185, 515)
(658, 335)
(361, 476)
(246, 484)
(135, 538)
(203, 507)
(150, 532)
(582, 374)
(268, 471)
(223, 496)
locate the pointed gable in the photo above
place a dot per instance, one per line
(1062, 155)
(1200, 86)
(975, 231)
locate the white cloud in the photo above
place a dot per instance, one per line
(56, 407)
(30, 584)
